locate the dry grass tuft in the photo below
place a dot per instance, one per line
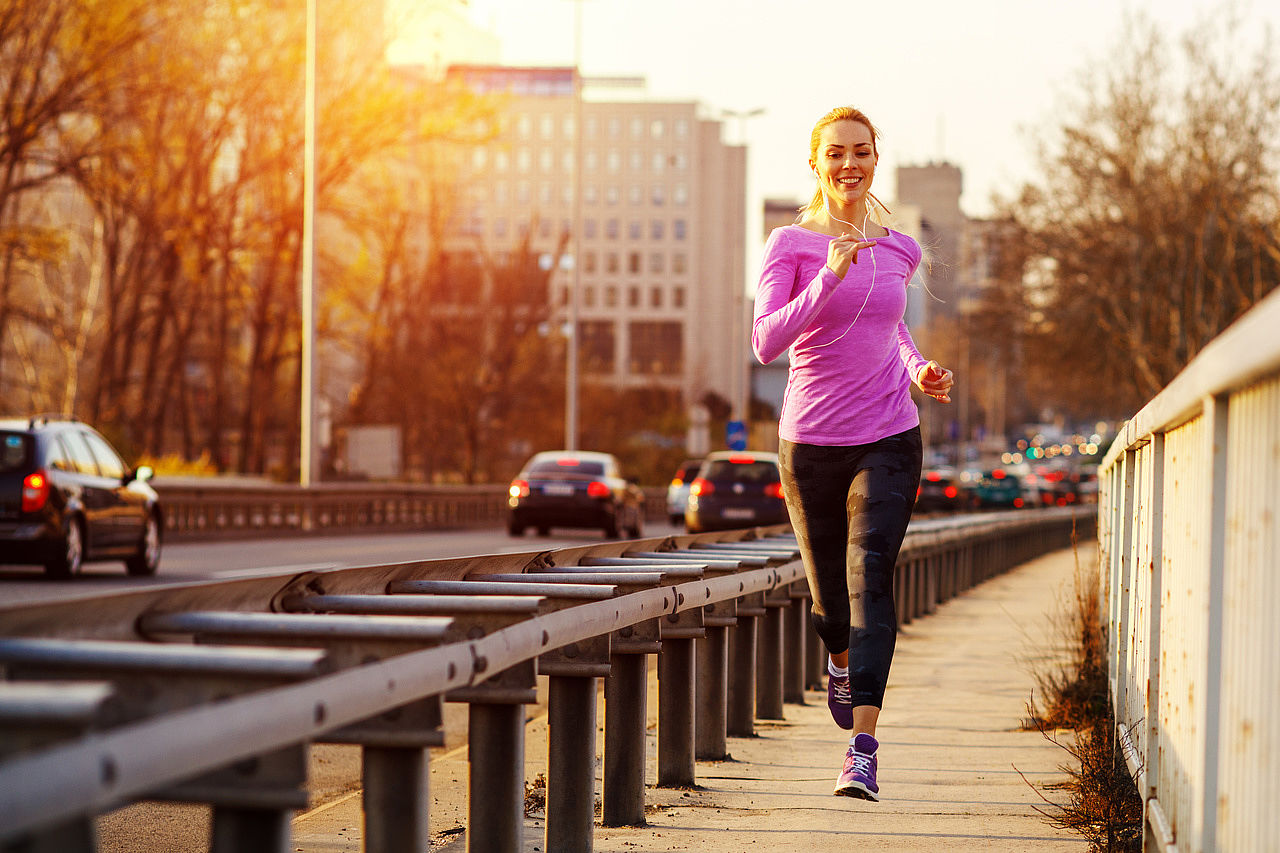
(1104, 805)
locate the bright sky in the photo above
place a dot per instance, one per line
(961, 81)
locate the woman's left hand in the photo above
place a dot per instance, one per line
(936, 381)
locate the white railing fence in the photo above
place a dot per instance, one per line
(1189, 527)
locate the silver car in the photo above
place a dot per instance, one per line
(678, 490)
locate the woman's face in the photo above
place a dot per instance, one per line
(846, 162)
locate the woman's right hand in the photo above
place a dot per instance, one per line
(843, 250)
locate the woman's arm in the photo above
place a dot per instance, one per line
(780, 319)
(911, 356)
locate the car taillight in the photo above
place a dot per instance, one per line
(701, 487)
(597, 489)
(519, 489)
(1017, 502)
(951, 491)
(35, 491)
(774, 490)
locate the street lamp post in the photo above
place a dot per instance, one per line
(738, 392)
(307, 467)
(575, 288)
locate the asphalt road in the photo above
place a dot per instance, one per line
(209, 560)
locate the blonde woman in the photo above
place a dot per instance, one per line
(833, 290)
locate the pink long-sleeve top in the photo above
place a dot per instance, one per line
(847, 384)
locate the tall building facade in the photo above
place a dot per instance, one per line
(661, 242)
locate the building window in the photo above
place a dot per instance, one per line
(596, 345)
(547, 126)
(611, 194)
(655, 262)
(502, 193)
(546, 193)
(681, 194)
(657, 128)
(659, 195)
(679, 229)
(588, 297)
(523, 125)
(589, 262)
(637, 161)
(591, 194)
(657, 229)
(478, 158)
(677, 297)
(591, 127)
(524, 159)
(502, 160)
(659, 161)
(635, 229)
(680, 160)
(566, 194)
(682, 128)
(567, 126)
(655, 297)
(637, 127)
(546, 159)
(679, 262)
(633, 263)
(636, 194)
(633, 297)
(566, 160)
(613, 160)
(500, 227)
(590, 161)
(615, 127)
(611, 296)
(656, 349)
(544, 229)
(611, 262)
(611, 229)
(589, 229)
(524, 192)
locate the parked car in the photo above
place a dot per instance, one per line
(66, 498)
(678, 489)
(736, 489)
(575, 488)
(998, 488)
(940, 491)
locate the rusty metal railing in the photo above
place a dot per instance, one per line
(212, 692)
(1189, 526)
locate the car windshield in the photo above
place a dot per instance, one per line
(565, 465)
(742, 472)
(15, 452)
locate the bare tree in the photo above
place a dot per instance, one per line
(1155, 223)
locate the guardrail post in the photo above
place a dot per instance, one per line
(769, 658)
(396, 797)
(710, 718)
(741, 709)
(814, 651)
(675, 713)
(625, 699)
(495, 752)
(571, 763)
(794, 658)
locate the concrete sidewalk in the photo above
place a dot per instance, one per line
(952, 757)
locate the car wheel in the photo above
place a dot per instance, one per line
(70, 556)
(677, 520)
(147, 560)
(515, 529)
(611, 528)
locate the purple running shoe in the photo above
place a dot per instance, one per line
(840, 700)
(858, 779)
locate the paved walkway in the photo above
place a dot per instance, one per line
(952, 757)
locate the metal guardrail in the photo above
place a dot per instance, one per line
(211, 692)
(1189, 526)
(196, 510)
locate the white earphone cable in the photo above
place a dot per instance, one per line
(870, 250)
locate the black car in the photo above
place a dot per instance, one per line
(941, 491)
(575, 488)
(736, 489)
(66, 497)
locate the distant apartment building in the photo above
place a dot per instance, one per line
(660, 265)
(934, 189)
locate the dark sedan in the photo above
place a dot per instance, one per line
(571, 488)
(736, 489)
(66, 497)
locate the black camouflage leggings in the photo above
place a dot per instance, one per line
(849, 506)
